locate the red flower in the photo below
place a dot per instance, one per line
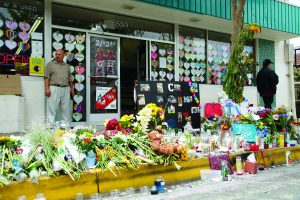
(185, 114)
(19, 150)
(87, 140)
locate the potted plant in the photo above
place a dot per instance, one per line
(269, 141)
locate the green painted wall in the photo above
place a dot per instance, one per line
(266, 49)
(270, 14)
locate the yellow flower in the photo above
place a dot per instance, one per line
(60, 133)
(255, 28)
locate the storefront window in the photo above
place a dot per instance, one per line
(218, 53)
(192, 57)
(21, 37)
(106, 22)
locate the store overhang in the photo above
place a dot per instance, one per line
(168, 15)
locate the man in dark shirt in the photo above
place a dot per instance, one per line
(266, 82)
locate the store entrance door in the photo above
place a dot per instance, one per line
(133, 65)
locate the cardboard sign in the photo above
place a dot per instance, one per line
(10, 85)
(247, 131)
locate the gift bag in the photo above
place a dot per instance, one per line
(215, 161)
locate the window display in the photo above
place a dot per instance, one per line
(162, 61)
(21, 35)
(73, 43)
(192, 55)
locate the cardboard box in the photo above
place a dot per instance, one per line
(10, 85)
(251, 167)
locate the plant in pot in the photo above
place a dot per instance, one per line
(269, 141)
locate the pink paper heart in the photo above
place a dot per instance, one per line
(11, 25)
(24, 36)
(153, 56)
(24, 26)
(79, 69)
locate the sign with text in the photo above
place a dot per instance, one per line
(247, 131)
(36, 67)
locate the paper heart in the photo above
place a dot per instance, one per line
(197, 43)
(162, 52)
(186, 65)
(188, 56)
(181, 39)
(209, 47)
(187, 49)
(180, 46)
(153, 48)
(24, 36)
(24, 46)
(201, 78)
(80, 39)
(78, 98)
(11, 25)
(170, 59)
(57, 45)
(193, 78)
(154, 74)
(154, 63)
(79, 69)
(162, 74)
(77, 116)
(187, 41)
(72, 69)
(225, 54)
(198, 57)
(170, 67)
(181, 71)
(181, 54)
(197, 65)
(225, 48)
(24, 26)
(153, 56)
(181, 63)
(1, 33)
(202, 43)
(10, 44)
(69, 46)
(10, 34)
(219, 81)
(79, 87)
(1, 22)
(57, 36)
(193, 71)
(186, 79)
(193, 65)
(202, 71)
(210, 59)
(170, 76)
(80, 47)
(69, 56)
(181, 78)
(79, 57)
(79, 78)
(198, 72)
(69, 37)
(193, 50)
(1, 43)
(193, 56)
(187, 72)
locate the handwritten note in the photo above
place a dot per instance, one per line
(247, 131)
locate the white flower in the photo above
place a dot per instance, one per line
(275, 116)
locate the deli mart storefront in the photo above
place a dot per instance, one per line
(109, 45)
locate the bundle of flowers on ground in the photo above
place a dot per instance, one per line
(123, 144)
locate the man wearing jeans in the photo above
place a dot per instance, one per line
(58, 86)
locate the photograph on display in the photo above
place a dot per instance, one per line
(103, 57)
(106, 98)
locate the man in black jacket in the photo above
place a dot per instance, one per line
(266, 82)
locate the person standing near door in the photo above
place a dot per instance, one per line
(266, 82)
(58, 87)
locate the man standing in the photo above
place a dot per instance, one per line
(58, 86)
(266, 82)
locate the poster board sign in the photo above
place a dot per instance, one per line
(174, 97)
(36, 66)
(10, 85)
(247, 131)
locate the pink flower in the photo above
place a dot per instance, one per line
(19, 150)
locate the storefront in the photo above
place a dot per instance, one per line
(109, 45)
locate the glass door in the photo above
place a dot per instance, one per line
(104, 89)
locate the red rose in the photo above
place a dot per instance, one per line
(87, 140)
